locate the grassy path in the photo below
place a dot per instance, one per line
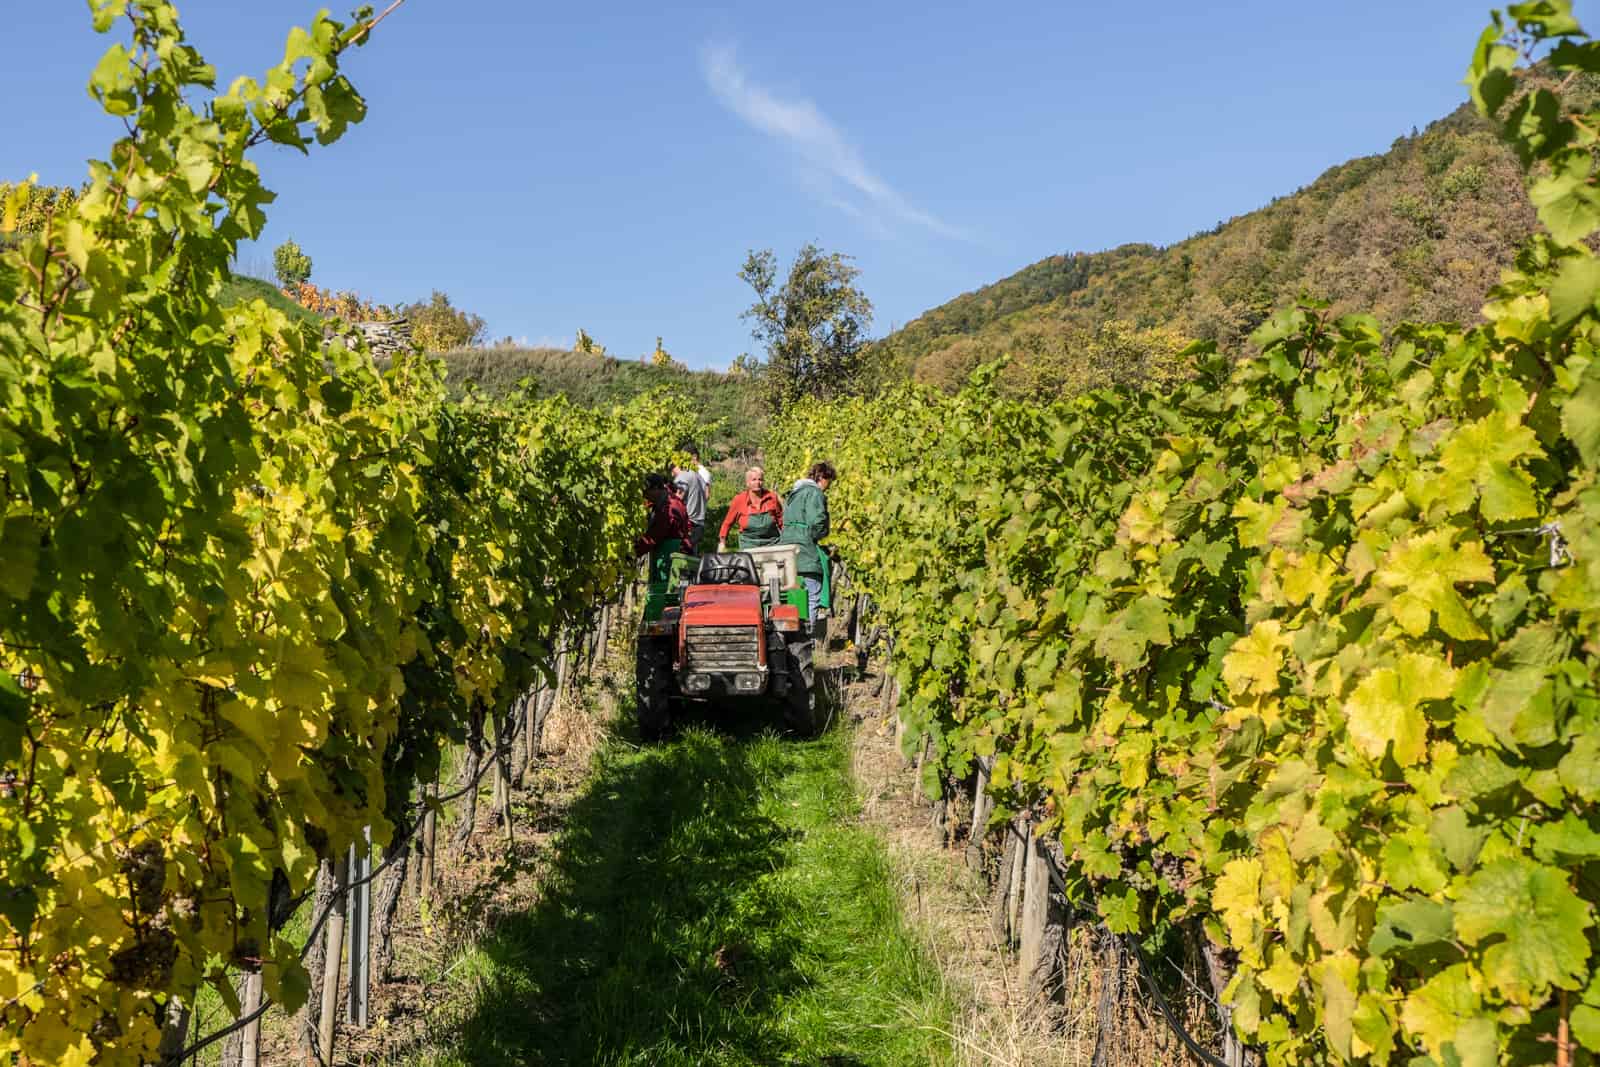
(714, 902)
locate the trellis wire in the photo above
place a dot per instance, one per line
(1132, 945)
(501, 749)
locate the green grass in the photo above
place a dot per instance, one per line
(241, 288)
(714, 902)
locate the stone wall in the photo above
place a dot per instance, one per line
(384, 339)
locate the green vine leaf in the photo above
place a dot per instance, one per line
(1531, 926)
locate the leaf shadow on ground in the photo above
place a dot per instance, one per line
(661, 937)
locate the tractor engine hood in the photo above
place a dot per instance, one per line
(721, 605)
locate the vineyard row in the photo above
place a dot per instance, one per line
(250, 586)
(1304, 650)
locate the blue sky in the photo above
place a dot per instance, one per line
(607, 165)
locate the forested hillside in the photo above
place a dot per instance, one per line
(1417, 233)
(725, 404)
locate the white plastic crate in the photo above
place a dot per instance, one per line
(777, 561)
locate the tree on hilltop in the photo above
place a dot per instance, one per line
(812, 324)
(292, 265)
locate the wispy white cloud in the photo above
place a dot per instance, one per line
(818, 143)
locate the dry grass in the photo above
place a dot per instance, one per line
(949, 903)
(577, 727)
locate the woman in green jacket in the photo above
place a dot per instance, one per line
(805, 522)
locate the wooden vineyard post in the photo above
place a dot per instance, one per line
(250, 1055)
(330, 963)
(981, 806)
(1014, 879)
(530, 725)
(1035, 910)
(414, 862)
(891, 711)
(541, 711)
(517, 758)
(553, 696)
(497, 797)
(174, 1030)
(503, 776)
(358, 927)
(1032, 919)
(429, 826)
(310, 1017)
(470, 778)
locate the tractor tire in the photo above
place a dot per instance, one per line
(800, 696)
(653, 690)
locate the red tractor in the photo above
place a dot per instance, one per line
(725, 627)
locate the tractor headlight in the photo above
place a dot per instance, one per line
(697, 683)
(747, 683)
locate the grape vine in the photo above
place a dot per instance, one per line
(1305, 650)
(249, 584)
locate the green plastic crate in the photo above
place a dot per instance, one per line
(670, 575)
(681, 569)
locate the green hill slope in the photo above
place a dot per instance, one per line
(730, 413)
(1419, 232)
(242, 287)
(725, 403)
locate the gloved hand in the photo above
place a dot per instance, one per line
(722, 546)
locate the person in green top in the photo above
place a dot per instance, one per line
(805, 522)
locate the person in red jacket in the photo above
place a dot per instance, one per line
(757, 510)
(668, 531)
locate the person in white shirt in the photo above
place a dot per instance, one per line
(700, 468)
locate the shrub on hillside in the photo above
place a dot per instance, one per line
(438, 326)
(663, 359)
